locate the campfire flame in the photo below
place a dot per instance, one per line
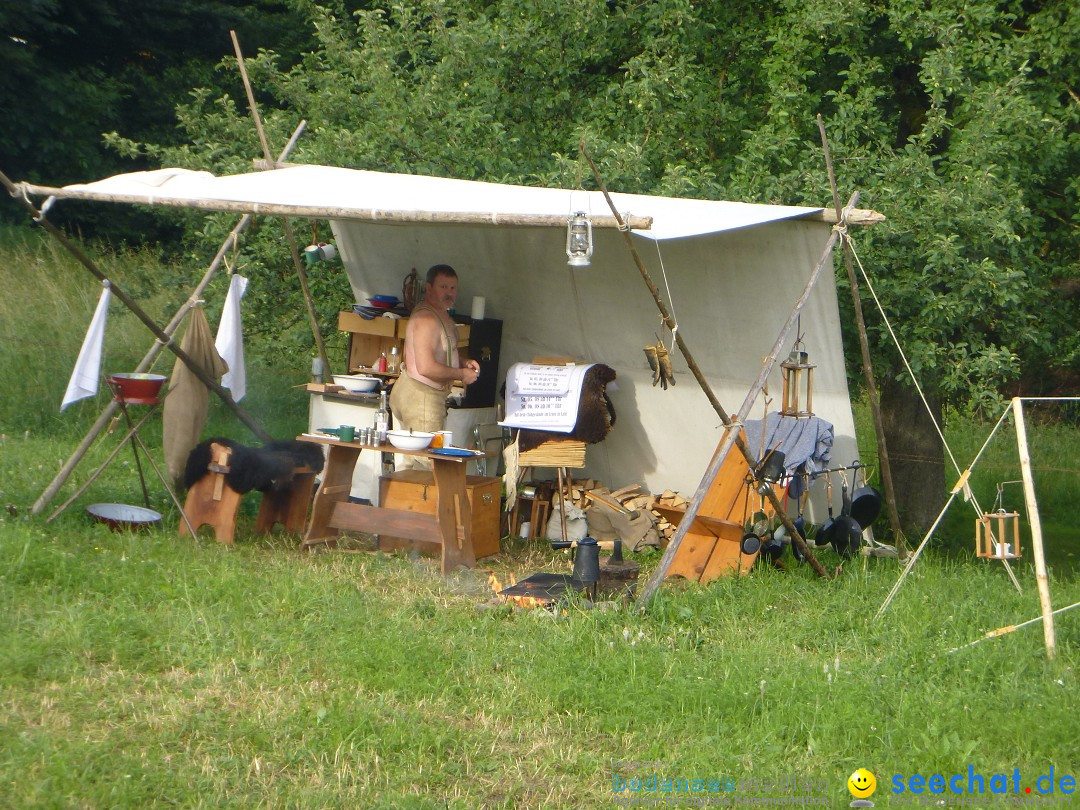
(527, 602)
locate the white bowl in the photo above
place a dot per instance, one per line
(357, 384)
(404, 440)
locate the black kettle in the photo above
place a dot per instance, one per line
(587, 563)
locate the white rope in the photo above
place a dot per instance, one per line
(915, 556)
(671, 300)
(900, 349)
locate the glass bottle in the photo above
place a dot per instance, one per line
(392, 364)
(382, 419)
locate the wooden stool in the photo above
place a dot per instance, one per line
(538, 511)
(212, 502)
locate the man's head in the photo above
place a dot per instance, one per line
(440, 286)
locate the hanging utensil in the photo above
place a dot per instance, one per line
(866, 501)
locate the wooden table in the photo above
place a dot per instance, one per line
(331, 510)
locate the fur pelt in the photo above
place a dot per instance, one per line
(596, 414)
(265, 468)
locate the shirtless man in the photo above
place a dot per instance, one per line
(431, 360)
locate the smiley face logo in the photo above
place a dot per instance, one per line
(862, 784)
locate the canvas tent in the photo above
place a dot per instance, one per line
(729, 271)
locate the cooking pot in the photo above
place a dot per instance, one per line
(866, 502)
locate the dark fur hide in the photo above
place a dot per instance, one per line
(596, 414)
(263, 468)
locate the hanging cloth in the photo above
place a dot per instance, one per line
(188, 400)
(87, 372)
(230, 339)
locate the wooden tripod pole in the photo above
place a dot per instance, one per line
(106, 415)
(733, 434)
(289, 236)
(868, 368)
(127, 301)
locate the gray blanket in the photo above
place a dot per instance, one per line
(806, 440)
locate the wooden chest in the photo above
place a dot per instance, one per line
(414, 491)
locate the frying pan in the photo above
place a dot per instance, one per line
(846, 532)
(866, 502)
(824, 535)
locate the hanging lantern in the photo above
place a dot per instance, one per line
(579, 244)
(993, 531)
(798, 394)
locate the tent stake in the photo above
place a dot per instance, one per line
(868, 368)
(732, 434)
(289, 236)
(106, 415)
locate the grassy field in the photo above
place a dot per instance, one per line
(142, 670)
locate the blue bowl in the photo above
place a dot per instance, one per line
(388, 299)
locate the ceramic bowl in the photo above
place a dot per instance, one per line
(356, 383)
(404, 440)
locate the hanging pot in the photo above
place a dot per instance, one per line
(866, 502)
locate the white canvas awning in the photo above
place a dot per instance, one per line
(354, 195)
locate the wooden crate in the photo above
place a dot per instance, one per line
(414, 491)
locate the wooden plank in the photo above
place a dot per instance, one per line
(692, 556)
(359, 517)
(727, 557)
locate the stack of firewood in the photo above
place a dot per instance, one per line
(672, 500)
(583, 492)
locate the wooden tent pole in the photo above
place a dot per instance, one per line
(1041, 577)
(106, 415)
(733, 435)
(289, 235)
(868, 368)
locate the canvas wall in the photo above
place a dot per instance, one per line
(730, 293)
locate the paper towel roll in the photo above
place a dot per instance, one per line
(478, 308)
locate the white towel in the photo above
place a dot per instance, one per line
(230, 339)
(87, 372)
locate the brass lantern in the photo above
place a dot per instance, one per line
(798, 394)
(579, 243)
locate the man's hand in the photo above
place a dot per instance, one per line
(470, 372)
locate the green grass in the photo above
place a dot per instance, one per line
(142, 670)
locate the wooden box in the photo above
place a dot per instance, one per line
(414, 491)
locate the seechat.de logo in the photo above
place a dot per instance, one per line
(861, 785)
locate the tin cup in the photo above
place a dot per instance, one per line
(347, 433)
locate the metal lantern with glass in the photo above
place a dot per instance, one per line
(579, 241)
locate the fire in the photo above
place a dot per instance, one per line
(518, 601)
